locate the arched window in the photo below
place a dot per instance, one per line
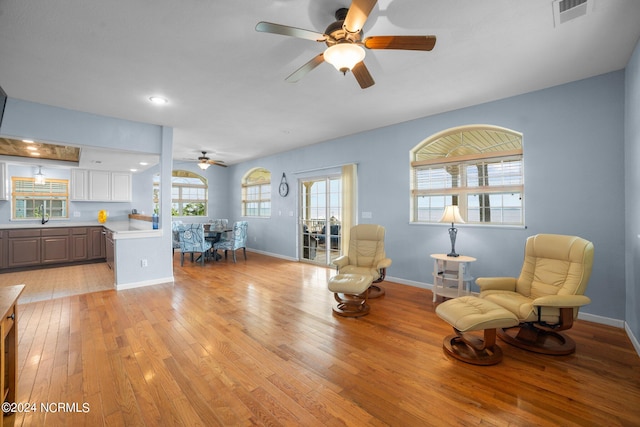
(477, 167)
(188, 193)
(256, 193)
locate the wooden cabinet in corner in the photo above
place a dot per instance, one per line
(97, 243)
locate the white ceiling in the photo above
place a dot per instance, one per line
(225, 81)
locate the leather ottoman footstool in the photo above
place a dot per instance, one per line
(351, 292)
(468, 314)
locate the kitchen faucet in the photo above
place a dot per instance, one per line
(44, 221)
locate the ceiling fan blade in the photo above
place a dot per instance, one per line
(217, 163)
(358, 14)
(302, 71)
(401, 42)
(285, 30)
(362, 75)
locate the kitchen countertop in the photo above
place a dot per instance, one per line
(120, 229)
(50, 224)
(126, 230)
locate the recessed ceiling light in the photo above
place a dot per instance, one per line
(133, 170)
(158, 100)
(28, 141)
(143, 163)
(35, 153)
(32, 148)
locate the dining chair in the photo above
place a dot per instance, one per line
(234, 240)
(192, 240)
(175, 235)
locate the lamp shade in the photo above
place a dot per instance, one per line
(344, 56)
(452, 214)
(203, 165)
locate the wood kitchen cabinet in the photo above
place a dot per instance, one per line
(23, 248)
(96, 243)
(31, 247)
(9, 348)
(55, 246)
(78, 244)
(3, 249)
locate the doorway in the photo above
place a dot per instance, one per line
(320, 217)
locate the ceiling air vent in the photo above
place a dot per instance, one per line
(566, 10)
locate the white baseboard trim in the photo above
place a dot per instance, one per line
(633, 338)
(144, 283)
(409, 282)
(601, 319)
(288, 258)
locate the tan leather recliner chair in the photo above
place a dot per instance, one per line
(366, 255)
(548, 293)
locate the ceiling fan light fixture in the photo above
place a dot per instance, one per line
(203, 165)
(158, 100)
(344, 56)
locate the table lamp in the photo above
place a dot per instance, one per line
(452, 214)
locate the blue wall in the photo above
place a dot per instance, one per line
(632, 180)
(574, 184)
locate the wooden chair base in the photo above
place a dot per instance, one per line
(472, 349)
(349, 305)
(530, 338)
(376, 291)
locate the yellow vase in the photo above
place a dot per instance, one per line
(102, 216)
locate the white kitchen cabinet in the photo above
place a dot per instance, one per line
(4, 190)
(79, 184)
(120, 187)
(100, 186)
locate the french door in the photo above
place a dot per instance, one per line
(320, 218)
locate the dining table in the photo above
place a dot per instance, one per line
(213, 235)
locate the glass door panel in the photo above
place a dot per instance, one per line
(320, 214)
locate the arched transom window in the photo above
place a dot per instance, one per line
(478, 167)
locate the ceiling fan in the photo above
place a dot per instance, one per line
(344, 40)
(204, 162)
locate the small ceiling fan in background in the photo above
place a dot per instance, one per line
(204, 162)
(345, 43)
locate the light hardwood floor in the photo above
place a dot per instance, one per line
(256, 343)
(49, 283)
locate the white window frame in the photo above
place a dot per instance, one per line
(178, 203)
(53, 195)
(443, 173)
(256, 193)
